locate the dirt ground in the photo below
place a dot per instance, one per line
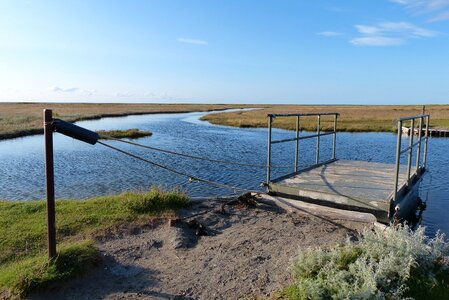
(244, 253)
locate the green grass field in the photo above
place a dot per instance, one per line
(23, 260)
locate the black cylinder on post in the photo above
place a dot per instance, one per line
(76, 132)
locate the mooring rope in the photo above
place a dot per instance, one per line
(226, 162)
(190, 177)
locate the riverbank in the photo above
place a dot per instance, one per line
(353, 118)
(23, 119)
(152, 245)
(123, 245)
(23, 234)
(217, 249)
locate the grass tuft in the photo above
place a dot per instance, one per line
(132, 133)
(395, 264)
(35, 273)
(155, 201)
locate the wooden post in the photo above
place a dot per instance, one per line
(50, 182)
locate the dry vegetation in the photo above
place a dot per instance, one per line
(20, 119)
(133, 133)
(352, 118)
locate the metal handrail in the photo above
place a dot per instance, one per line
(302, 137)
(409, 149)
(297, 138)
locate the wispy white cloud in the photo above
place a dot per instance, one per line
(438, 8)
(376, 41)
(146, 95)
(428, 5)
(192, 41)
(329, 33)
(64, 90)
(389, 34)
(89, 92)
(125, 94)
(440, 17)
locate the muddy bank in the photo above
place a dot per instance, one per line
(223, 252)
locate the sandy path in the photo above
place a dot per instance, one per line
(245, 255)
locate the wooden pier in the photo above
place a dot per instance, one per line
(433, 132)
(388, 191)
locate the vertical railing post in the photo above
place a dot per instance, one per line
(410, 148)
(50, 183)
(418, 152)
(427, 140)
(297, 144)
(398, 161)
(334, 141)
(317, 159)
(269, 150)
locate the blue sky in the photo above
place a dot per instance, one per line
(305, 52)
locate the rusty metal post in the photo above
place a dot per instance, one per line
(398, 162)
(410, 149)
(317, 154)
(297, 144)
(334, 140)
(424, 163)
(50, 182)
(418, 152)
(270, 120)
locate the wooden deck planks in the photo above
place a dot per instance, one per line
(367, 185)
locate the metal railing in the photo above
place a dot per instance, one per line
(399, 151)
(297, 138)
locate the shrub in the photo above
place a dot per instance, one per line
(389, 264)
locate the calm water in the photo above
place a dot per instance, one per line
(83, 170)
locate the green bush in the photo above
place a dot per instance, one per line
(390, 264)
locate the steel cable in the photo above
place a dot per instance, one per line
(193, 156)
(190, 177)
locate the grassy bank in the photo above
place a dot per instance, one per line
(23, 263)
(393, 264)
(21, 119)
(132, 133)
(352, 118)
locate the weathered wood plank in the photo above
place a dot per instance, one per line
(366, 186)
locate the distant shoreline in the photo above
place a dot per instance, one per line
(25, 119)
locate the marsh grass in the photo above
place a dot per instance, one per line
(352, 118)
(132, 133)
(154, 202)
(23, 233)
(21, 119)
(394, 264)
